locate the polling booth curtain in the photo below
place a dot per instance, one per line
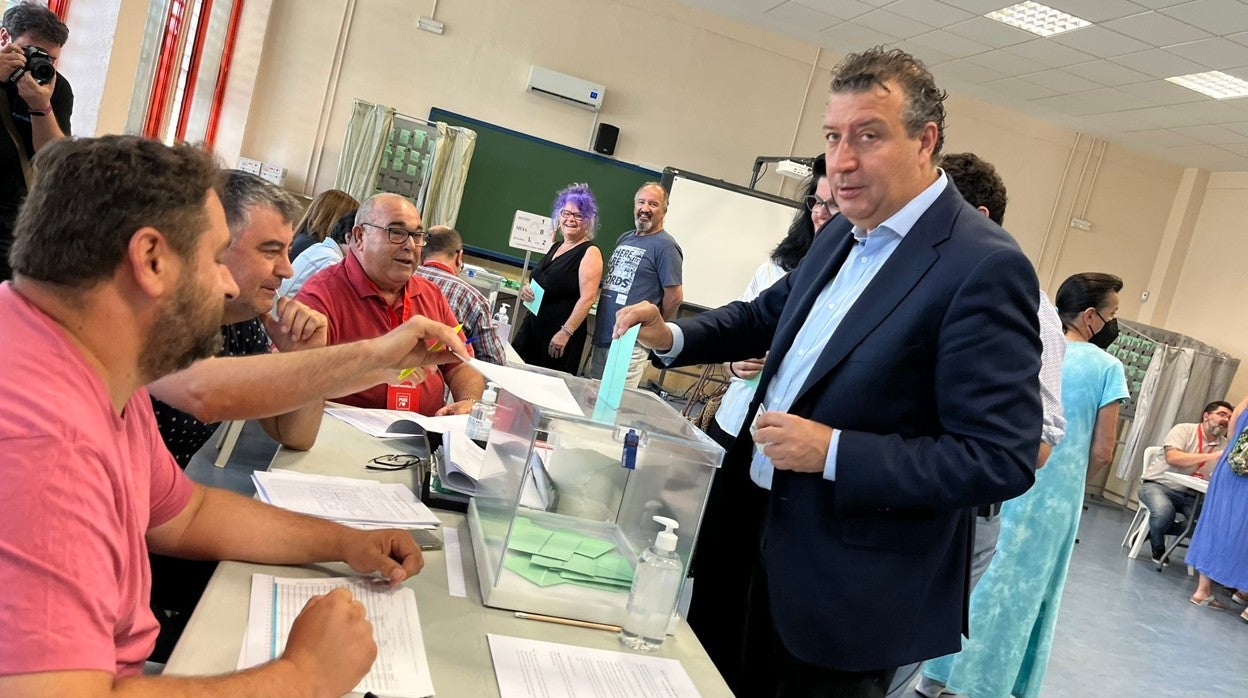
(1184, 375)
(439, 204)
(362, 148)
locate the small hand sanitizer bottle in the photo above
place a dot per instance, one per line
(502, 324)
(481, 418)
(652, 600)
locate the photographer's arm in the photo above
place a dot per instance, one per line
(44, 127)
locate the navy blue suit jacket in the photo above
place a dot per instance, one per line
(932, 378)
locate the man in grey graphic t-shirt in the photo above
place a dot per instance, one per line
(646, 266)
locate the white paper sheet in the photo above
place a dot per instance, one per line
(394, 423)
(401, 668)
(344, 499)
(536, 669)
(454, 563)
(538, 388)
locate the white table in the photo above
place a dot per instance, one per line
(1197, 486)
(454, 628)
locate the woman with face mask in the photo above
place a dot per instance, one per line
(1014, 607)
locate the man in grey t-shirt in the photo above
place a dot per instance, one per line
(646, 266)
(1190, 449)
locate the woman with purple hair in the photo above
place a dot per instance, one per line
(569, 276)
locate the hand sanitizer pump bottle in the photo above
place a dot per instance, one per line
(502, 324)
(481, 418)
(656, 582)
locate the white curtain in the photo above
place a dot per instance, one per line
(362, 148)
(439, 204)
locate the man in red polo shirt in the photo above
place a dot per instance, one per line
(373, 290)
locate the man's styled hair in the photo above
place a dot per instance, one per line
(1215, 405)
(860, 72)
(36, 22)
(443, 241)
(243, 190)
(91, 195)
(978, 182)
(1082, 291)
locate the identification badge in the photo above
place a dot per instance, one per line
(402, 397)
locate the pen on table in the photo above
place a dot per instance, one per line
(568, 621)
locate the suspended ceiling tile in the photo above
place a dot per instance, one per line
(1020, 89)
(1052, 54)
(1156, 29)
(966, 71)
(892, 23)
(1163, 137)
(1096, 10)
(845, 9)
(930, 56)
(1062, 81)
(1008, 63)
(979, 7)
(935, 14)
(951, 44)
(1159, 63)
(1100, 41)
(802, 18)
(1240, 148)
(1211, 134)
(1106, 99)
(848, 37)
(1214, 16)
(1160, 93)
(1216, 53)
(990, 32)
(1107, 73)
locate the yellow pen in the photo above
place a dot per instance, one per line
(403, 375)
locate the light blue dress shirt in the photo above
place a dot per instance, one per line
(870, 251)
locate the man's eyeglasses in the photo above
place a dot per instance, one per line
(813, 202)
(398, 235)
(393, 461)
(571, 216)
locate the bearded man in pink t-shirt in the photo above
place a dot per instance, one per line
(118, 243)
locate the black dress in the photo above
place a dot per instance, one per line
(560, 277)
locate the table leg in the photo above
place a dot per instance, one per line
(1190, 525)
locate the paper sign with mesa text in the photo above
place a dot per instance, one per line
(532, 232)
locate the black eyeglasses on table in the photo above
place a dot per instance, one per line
(393, 461)
(398, 235)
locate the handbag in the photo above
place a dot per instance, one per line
(1237, 457)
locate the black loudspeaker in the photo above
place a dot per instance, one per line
(604, 140)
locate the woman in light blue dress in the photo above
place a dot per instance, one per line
(1219, 549)
(1014, 607)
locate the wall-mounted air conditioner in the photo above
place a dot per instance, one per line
(565, 88)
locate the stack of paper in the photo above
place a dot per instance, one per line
(401, 667)
(527, 668)
(463, 465)
(396, 423)
(350, 501)
(547, 557)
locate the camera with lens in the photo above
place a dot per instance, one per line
(38, 64)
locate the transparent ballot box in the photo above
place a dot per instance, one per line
(564, 502)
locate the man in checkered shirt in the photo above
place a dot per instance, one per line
(443, 261)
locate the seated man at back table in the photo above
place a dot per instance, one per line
(443, 262)
(1190, 449)
(375, 289)
(119, 280)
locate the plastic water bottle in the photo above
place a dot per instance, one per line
(481, 418)
(502, 324)
(656, 582)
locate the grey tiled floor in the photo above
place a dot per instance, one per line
(1127, 630)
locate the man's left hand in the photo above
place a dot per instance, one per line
(390, 552)
(299, 326)
(793, 443)
(457, 407)
(36, 96)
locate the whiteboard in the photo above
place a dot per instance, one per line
(726, 232)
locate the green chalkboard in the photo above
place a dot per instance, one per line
(512, 171)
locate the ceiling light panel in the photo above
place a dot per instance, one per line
(1038, 19)
(1214, 84)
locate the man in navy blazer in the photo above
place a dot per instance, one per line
(901, 392)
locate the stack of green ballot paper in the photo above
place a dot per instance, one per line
(547, 557)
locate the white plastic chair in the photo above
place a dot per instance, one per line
(1137, 531)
